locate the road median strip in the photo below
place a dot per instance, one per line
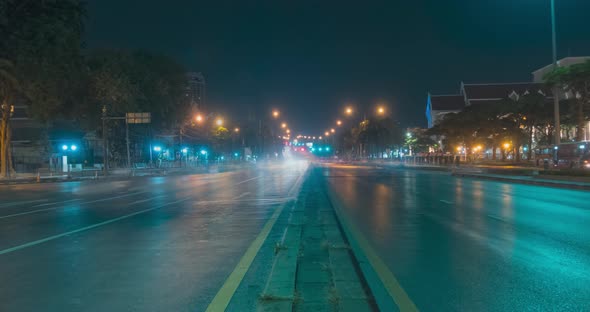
(386, 289)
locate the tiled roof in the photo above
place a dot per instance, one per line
(502, 90)
(447, 102)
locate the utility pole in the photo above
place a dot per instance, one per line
(127, 139)
(555, 89)
(105, 152)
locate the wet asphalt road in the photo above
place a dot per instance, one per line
(466, 245)
(148, 244)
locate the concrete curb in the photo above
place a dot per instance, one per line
(378, 290)
(532, 181)
(116, 176)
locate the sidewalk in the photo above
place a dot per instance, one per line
(560, 182)
(114, 174)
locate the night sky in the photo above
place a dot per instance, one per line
(309, 58)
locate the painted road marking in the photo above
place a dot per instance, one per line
(50, 238)
(55, 208)
(226, 292)
(258, 177)
(40, 241)
(243, 195)
(446, 202)
(388, 280)
(23, 203)
(55, 203)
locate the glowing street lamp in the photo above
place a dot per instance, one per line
(339, 123)
(219, 122)
(332, 130)
(380, 110)
(288, 131)
(327, 133)
(506, 145)
(348, 111)
(199, 118)
(236, 130)
(275, 114)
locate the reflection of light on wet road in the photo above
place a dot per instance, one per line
(470, 245)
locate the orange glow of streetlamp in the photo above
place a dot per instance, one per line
(237, 130)
(288, 131)
(275, 113)
(219, 122)
(199, 118)
(283, 125)
(327, 133)
(332, 130)
(506, 145)
(339, 123)
(348, 111)
(380, 110)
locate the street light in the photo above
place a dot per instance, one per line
(219, 122)
(64, 147)
(555, 95)
(339, 123)
(283, 125)
(73, 147)
(199, 118)
(157, 149)
(237, 130)
(348, 111)
(327, 133)
(332, 130)
(276, 114)
(380, 110)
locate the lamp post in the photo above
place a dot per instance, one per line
(105, 153)
(555, 90)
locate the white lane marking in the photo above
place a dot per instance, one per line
(55, 208)
(55, 203)
(243, 195)
(254, 200)
(446, 202)
(258, 177)
(145, 200)
(23, 203)
(40, 241)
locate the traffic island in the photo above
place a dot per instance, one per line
(313, 268)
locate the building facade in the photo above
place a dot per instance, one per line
(196, 91)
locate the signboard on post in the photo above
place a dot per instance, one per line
(138, 118)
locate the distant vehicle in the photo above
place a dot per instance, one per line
(544, 153)
(573, 154)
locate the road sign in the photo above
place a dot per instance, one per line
(138, 118)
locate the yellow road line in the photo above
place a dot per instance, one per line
(389, 281)
(226, 292)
